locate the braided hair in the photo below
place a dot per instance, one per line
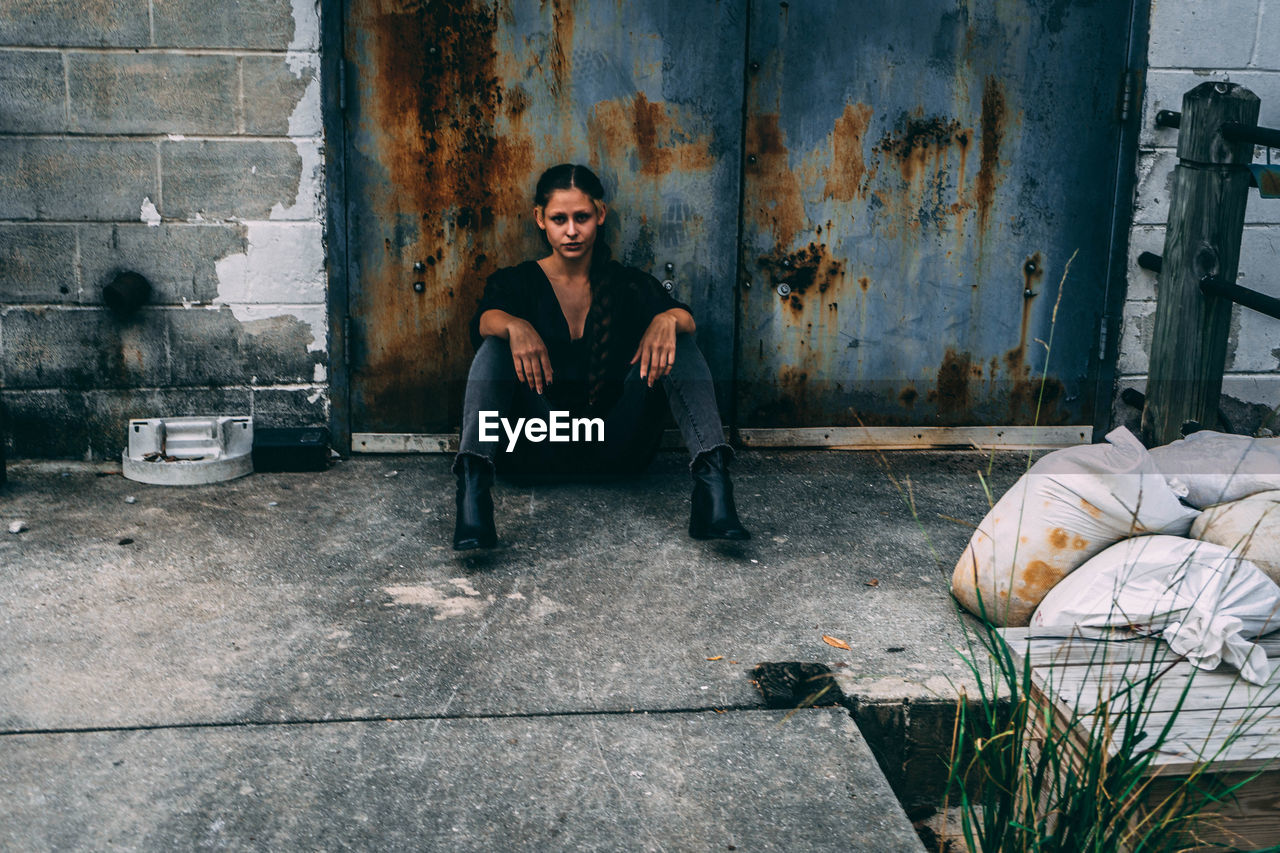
(604, 278)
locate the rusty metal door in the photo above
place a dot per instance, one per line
(453, 109)
(917, 177)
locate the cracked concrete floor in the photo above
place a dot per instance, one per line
(219, 639)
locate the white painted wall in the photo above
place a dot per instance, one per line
(1193, 41)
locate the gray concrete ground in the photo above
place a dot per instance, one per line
(301, 659)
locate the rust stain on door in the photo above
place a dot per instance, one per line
(994, 118)
(774, 187)
(432, 113)
(661, 142)
(847, 174)
(453, 111)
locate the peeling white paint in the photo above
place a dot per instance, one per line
(309, 199)
(305, 118)
(306, 25)
(177, 137)
(1264, 389)
(313, 315)
(281, 272)
(150, 215)
(282, 263)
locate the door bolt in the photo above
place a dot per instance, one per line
(419, 287)
(784, 289)
(751, 158)
(419, 266)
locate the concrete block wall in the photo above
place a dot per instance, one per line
(180, 139)
(1192, 41)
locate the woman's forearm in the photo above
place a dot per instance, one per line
(684, 320)
(495, 323)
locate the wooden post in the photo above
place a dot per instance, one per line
(1206, 220)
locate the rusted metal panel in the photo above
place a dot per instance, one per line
(453, 109)
(917, 177)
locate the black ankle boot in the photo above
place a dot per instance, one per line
(713, 515)
(474, 527)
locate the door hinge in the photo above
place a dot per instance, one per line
(346, 342)
(342, 84)
(1128, 95)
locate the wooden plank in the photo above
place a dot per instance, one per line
(920, 438)
(1045, 649)
(1248, 822)
(1227, 729)
(403, 442)
(1084, 688)
(1200, 736)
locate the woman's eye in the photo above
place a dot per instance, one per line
(581, 217)
(559, 219)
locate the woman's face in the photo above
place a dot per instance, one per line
(571, 221)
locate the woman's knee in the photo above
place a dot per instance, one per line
(690, 362)
(492, 361)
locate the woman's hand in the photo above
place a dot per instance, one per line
(657, 351)
(529, 354)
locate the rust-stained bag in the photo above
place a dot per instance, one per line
(1250, 527)
(1069, 506)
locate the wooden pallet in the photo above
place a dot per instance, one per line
(1223, 721)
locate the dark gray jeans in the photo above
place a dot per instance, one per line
(632, 427)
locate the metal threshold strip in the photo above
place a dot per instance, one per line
(833, 438)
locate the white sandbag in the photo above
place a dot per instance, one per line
(1249, 526)
(1205, 601)
(1072, 504)
(1216, 467)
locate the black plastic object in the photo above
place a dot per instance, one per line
(291, 449)
(126, 293)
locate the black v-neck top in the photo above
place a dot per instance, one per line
(524, 291)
